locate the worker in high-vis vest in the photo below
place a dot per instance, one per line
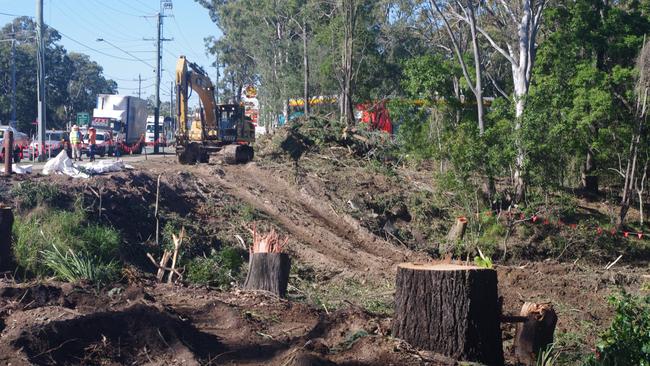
(75, 141)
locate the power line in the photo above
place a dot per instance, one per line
(15, 15)
(104, 3)
(127, 52)
(96, 50)
(118, 79)
(180, 31)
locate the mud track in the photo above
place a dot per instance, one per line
(328, 240)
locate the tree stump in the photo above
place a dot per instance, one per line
(450, 309)
(269, 272)
(536, 333)
(457, 231)
(6, 224)
(590, 183)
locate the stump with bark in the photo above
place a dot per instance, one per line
(269, 272)
(6, 225)
(457, 232)
(450, 309)
(268, 268)
(536, 333)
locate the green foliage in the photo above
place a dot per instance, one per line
(29, 194)
(627, 341)
(40, 231)
(219, 269)
(428, 77)
(72, 267)
(482, 260)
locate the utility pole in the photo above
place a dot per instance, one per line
(40, 71)
(13, 76)
(164, 5)
(139, 86)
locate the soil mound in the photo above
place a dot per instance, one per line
(139, 335)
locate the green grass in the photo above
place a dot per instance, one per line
(219, 269)
(44, 232)
(29, 194)
(72, 267)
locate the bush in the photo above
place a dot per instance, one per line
(627, 341)
(220, 268)
(43, 230)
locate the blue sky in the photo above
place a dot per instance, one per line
(123, 24)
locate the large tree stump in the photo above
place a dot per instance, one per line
(536, 333)
(450, 309)
(269, 272)
(6, 254)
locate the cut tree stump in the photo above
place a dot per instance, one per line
(269, 272)
(6, 254)
(536, 333)
(457, 232)
(450, 309)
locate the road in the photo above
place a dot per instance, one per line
(146, 155)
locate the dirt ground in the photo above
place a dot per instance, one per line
(140, 322)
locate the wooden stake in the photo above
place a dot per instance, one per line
(178, 240)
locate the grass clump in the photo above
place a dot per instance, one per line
(72, 267)
(29, 194)
(50, 242)
(219, 269)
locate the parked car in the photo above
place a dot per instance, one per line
(104, 144)
(20, 140)
(53, 144)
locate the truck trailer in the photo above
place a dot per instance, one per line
(125, 117)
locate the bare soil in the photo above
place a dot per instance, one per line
(336, 234)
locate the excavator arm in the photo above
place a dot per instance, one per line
(191, 76)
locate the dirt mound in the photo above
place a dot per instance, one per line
(137, 335)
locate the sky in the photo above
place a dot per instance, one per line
(124, 24)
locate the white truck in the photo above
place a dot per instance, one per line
(125, 117)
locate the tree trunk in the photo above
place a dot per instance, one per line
(449, 309)
(269, 272)
(590, 181)
(305, 65)
(6, 225)
(535, 334)
(519, 182)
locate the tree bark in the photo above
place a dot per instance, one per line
(269, 272)
(6, 254)
(449, 309)
(536, 333)
(305, 65)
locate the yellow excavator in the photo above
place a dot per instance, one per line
(216, 130)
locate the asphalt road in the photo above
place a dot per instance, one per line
(146, 155)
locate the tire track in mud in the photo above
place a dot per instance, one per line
(324, 239)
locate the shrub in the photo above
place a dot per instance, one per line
(627, 341)
(45, 229)
(220, 268)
